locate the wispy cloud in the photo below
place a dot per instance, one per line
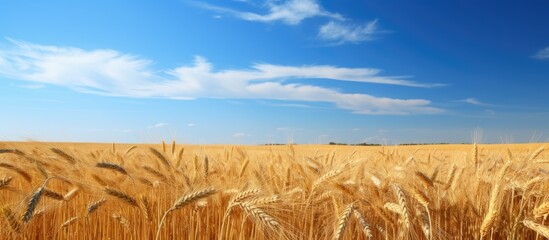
(542, 54)
(29, 86)
(290, 12)
(239, 135)
(343, 32)
(292, 105)
(474, 101)
(191, 125)
(108, 72)
(158, 125)
(339, 29)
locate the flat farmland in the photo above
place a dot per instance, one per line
(175, 191)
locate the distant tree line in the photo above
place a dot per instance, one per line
(366, 144)
(356, 144)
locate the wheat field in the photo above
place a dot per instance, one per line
(172, 191)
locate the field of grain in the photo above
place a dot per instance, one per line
(170, 191)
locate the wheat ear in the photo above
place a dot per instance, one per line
(156, 173)
(121, 195)
(18, 170)
(9, 215)
(542, 210)
(493, 208)
(259, 215)
(243, 169)
(540, 229)
(242, 195)
(343, 220)
(13, 151)
(183, 201)
(147, 209)
(52, 194)
(363, 223)
(5, 181)
(64, 155)
(33, 202)
(402, 202)
(160, 157)
(129, 150)
(41, 169)
(179, 157)
(112, 166)
(95, 205)
(206, 167)
(536, 153)
(70, 195)
(424, 179)
(69, 222)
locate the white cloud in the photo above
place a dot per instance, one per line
(542, 54)
(474, 101)
(341, 32)
(158, 125)
(191, 125)
(290, 12)
(490, 112)
(108, 72)
(29, 86)
(239, 135)
(291, 105)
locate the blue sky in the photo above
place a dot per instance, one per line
(261, 71)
